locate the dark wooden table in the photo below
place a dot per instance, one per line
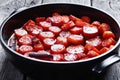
(9, 72)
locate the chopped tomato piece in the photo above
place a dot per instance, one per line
(39, 19)
(73, 18)
(81, 23)
(38, 47)
(86, 19)
(92, 53)
(96, 23)
(45, 25)
(65, 19)
(103, 50)
(57, 49)
(29, 23)
(25, 48)
(70, 57)
(64, 34)
(68, 25)
(75, 39)
(62, 40)
(108, 34)
(56, 30)
(76, 30)
(20, 32)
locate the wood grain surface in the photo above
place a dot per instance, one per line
(9, 72)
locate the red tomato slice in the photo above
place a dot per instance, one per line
(58, 57)
(73, 18)
(96, 23)
(56, 30)
(25, 48)
(46, 34)
(96, 42)
(107, 42)
(39, 19)
(26, 39)
(48, 42)
(76, 30)
(90, 31)
(57, 49)
(65, 19)
(75, 49)
(92, 53)
(103, 27)
(38, 47)
(108, 34)
(68, 25)
(103, 50)
(62, 40)
(86, 19)
(70, 57)
(45, 25)
(20, 32)
(81, 23)
(29, 23)
(64, 34)
(75, 39)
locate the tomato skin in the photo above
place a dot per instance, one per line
(90, 31)
(76, 30)
(92, 53)
(25, 40)
(75, 49)
(45, 34)
(73, 18)
(20, 32)
(56, 30)
(86, 19)
(48, 42)
(75, 39)
(25, 48)
(64, 34)
(29, 23)
(38, 47)
(107, 42)
(65, 19)
(96, 23)
(57, 49)
(39, 19)
(62, 40)
(96, 42)
(45, 25)
(103, 27)
(108, 34)
(68, 25)
(103, 50)
(81, 23)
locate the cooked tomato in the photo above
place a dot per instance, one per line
(96, 23)
(108, 34)
(48, 42)
(103, 50)
(68, 25)
(38, 47)
(74, 18)
(57, 49)
(20, 32)
(70, 57)
(75, 49)
(75, 39)
(56, 30)
(39, 19)
(64, 34)
(81, 23)
(46, 34)
(107, 42)
(86, 19)
(76, 30)
(26, 39)
(90, 31)
(25, 48)
(65, 19)
(45, 25)
(96, 42)
(62, 40)
(29, 23)
(92, 53)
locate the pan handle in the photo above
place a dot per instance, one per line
(107, 62)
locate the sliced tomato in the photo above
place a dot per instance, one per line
(46, 34)
(107, 42)
(75, 49)
(57, 57)
(74, 18)
(57, 49)
(56, 30)
(96, 23)
(26, 39)
(76, 30)
(48, 42)
(29, 23)
(45, 25)
(25, 48)
(20, 32)
(64, 34)
(70, 57)
(90, 31)
(68, 25)
(39, 19)
(75, 39)
(103, 27)
(86, 19)
(92, 53)
(103, 50)
(108, 34)
(81, 23)
(65, 19)
(38, 47)
(62, 40)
